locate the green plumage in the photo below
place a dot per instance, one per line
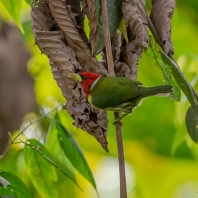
(118, 94)
(121, 94)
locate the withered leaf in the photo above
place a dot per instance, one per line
(50, 38)
(135, 15)
(116, 45)
(83, 54)
(121, 68)
(161, 14)
(131, 56)
(74, 9)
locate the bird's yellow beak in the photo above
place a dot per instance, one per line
(76, 76)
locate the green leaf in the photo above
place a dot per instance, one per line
(4, 182)
(28, 1)
(181, 80)
(192, 113)
(15, 188)
(192, 124)
(123, 29)
(41, 172)
(73, 152)
(114, 18)
(53, 146)
(14, 9)
(154, 52)
(8, 191)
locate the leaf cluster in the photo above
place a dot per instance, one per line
(59, 32)
(70, 50)
(43, 162)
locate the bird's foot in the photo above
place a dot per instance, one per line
(117, 121)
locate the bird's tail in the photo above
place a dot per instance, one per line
(161, 91)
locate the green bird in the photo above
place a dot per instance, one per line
(118, 94)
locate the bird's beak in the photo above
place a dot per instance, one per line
(76, 76)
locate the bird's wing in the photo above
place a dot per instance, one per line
(111, 91)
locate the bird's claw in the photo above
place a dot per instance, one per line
(117, 121)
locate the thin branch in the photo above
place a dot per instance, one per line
(107, 38)
(31, 122)
(123, 191)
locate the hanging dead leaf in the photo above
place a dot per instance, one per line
(83, 54)
(131, 56)
(121, 69)
(89, 7)
(134, 13)
(116, 45)
(161, 14)
(74, 9)
(51, 41)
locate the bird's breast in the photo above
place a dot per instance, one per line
(89, 98)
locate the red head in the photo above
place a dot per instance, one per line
(86, 79)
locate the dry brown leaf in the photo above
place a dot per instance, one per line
(161, 14)
(131, 56)
(74, 9)
(122, 69)
(134, 13)
(116, 45)
(63, 62)
(60, 13)
(86, 117)
(89, 7)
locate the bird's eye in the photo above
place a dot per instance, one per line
(84, 77)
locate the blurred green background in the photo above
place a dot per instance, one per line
(161, 159)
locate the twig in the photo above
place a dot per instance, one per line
(123, 191)
(107, 38)
(31, 122)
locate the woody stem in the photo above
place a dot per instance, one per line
(123, 191)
